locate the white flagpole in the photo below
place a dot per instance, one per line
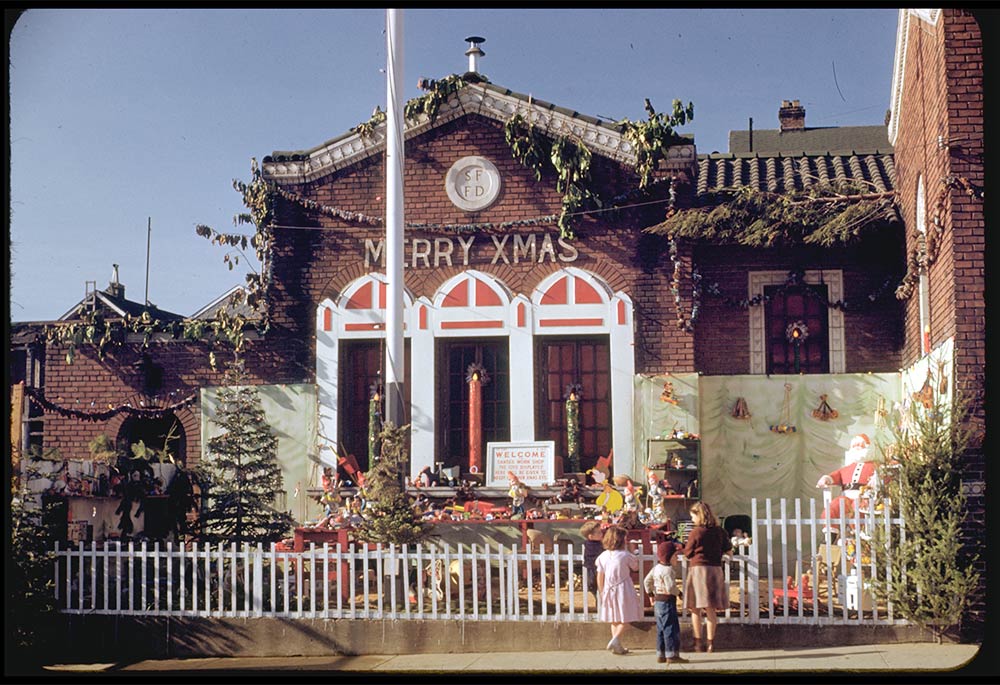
(395, 371)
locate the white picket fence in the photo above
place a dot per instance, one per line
(434, 582)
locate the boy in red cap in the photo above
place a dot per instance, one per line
(661, 589)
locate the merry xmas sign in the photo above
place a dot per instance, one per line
(433, 253)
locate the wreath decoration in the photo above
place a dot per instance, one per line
(797, 332)
(478, 372)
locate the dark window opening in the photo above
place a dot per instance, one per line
(785, 307)
(585, 362)
(361, 365)
(454, 359)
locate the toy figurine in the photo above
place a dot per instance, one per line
(740, 541)
(631, 501)
(656, 494)
(426, 478)
(571, 492)
(518, 492)
(858, 473)
(327, 479)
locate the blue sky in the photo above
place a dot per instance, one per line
(127, 115)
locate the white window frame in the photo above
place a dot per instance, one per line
(833, 279)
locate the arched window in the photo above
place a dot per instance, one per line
(472, 320)
(356, 365)
(573, 348)
(163, 437)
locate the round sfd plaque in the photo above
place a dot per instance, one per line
(472, 183)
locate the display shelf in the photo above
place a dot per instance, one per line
(678, 462)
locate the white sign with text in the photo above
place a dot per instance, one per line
(533, 463)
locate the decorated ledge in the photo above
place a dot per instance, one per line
(483, 99)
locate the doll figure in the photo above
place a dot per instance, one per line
(630, 502)
(426, 478)
(656, 495)
(518, 492)
(327, 479)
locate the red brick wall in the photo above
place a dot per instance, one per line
(943, 95)
(312, 264)
(93, 385)
(872, 328)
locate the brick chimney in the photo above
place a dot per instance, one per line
(792, 116)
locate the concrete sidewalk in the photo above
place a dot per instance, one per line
(920, 658)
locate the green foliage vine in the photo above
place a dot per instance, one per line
(570, 158)
(567, 157)
(96, 328)
(651, 139)
(824, 215)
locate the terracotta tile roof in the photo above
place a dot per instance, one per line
(784, 173)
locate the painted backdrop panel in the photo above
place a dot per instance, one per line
(743, 458)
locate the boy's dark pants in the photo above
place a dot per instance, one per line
(668, 627)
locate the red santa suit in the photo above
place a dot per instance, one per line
(856, 473)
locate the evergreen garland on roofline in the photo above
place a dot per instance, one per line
(824, 215)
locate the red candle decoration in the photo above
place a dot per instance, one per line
(475, 423)
(476, 377)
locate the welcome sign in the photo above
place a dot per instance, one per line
(532, 462)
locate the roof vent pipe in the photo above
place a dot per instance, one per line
(475, 52)
(115, 288)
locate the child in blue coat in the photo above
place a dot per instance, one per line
(661, 589)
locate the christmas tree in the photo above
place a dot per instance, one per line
(242, 470)
(388, 514)
(931, 573)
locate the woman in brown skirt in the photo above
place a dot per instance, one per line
(705, 586)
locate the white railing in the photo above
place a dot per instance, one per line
(477, 582)
(830, 576)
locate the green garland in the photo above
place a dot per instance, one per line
(94, 328)
(824, 215)
(651, 139)
(367, 129)
(374, 427)
(573, 426)
(571, 159)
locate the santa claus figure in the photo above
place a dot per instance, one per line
(858, 476)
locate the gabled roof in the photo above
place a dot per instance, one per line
(118, 306)
(211, 310)
(789, 173)
(485, 99)
(824, 140)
